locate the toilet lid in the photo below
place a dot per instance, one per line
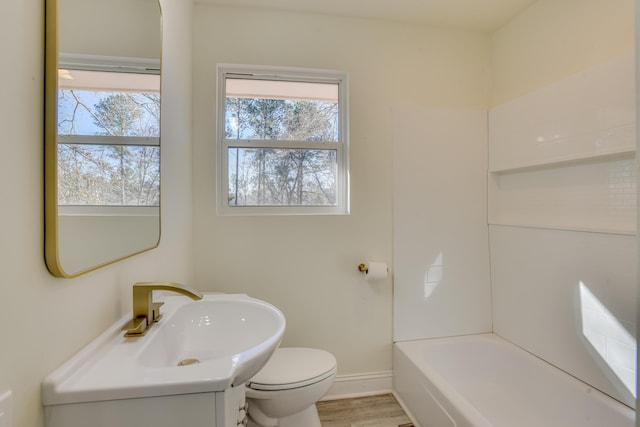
(291, 367)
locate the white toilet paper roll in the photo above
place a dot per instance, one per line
(376, 271)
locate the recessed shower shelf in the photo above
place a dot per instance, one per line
(593, 193)
(625, 153)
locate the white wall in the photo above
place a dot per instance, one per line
(307, 265)
(551, 40)
(43, 320)
(567, 296)
(440, 244)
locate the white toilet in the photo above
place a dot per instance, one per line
(285, 391)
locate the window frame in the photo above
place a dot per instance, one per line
(341, 147)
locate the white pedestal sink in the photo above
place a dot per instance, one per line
(198, 348)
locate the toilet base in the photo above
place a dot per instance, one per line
(307, 418)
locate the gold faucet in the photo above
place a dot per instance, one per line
(145, 311)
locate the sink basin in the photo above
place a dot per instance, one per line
(214, 329)
(197, 346)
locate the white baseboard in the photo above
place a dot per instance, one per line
(357, 385)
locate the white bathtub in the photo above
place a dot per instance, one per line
(484, 381)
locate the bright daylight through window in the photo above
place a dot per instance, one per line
(282, 141)
(108, 139)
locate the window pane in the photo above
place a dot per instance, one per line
(108, 103)
(282, 177)
(108, 175)
(83, 112)
(281, 110)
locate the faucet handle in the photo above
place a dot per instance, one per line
(136, 327)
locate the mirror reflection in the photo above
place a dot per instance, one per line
(102, 125)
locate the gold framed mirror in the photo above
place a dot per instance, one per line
(102, 132)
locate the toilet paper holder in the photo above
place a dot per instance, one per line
(364, 268)
(374, 270)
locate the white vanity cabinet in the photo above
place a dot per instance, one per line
(219, 409)
(231, 407)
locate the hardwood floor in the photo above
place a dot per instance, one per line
(370, 411)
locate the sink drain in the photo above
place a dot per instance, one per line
(187, 362)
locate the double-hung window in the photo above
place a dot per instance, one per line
(108, 137)
(282, 141)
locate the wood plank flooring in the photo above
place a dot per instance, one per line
(370, 411)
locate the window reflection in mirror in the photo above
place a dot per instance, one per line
(108, 162)
(108, 139)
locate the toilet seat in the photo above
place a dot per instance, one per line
(292, 367)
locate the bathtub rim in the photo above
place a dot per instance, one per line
(452, 400)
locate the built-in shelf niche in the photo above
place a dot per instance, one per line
(596, 195)
(563, 157)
